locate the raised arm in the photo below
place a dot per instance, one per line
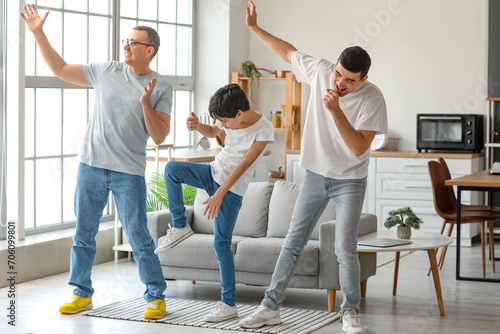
(71, 73)
(157, 123)
(282, 48)
(358, 141)
(193, 124)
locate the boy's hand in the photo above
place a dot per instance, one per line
(193, 122)
(148, 90)
(32, 19)
(213, 204)
(331, 101)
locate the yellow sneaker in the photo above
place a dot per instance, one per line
(77, 304)
(155, 309)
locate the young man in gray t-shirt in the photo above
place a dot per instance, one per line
(132, 103)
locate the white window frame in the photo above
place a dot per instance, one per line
(186, 83)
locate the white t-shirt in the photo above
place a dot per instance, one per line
(323, 149)
(237, 144)
(116, 135)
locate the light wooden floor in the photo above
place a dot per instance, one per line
(471, 307)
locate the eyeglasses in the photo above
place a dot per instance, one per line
(132, 43)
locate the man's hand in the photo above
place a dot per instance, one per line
(251, 19)
(213, 204)
(32, 19)
(331, 101)
(193, 122)
(148, 90)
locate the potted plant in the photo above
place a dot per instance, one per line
(158, 199)
(249, 70)
(405, 219)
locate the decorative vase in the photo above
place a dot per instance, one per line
(404, 232)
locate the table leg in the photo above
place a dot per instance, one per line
(396, 271)
(157, 159)
(459, 231)
(435, 275)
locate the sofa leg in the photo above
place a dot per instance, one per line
(331, 300)
(193, 282)
(363, 287)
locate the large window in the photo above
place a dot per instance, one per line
(173, 19)
(56, 113)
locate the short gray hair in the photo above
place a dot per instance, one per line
(153, 37)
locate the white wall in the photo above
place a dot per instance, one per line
(427, 56)
(212, 48)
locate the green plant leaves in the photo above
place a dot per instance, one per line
(249, 70)
(158, 198)
(404, 217)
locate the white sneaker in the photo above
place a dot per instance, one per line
(351, 324)
(261, 317)
(221, 312)
(173, 237)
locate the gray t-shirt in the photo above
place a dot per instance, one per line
(116, 135)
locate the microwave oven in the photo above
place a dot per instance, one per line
(458, 132)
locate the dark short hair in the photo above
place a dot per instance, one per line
(227, 101)
(356, 60)
(153, 37)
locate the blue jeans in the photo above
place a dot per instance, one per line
(200, 176)
(315, 192)
(91, 195)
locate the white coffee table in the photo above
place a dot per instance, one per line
(421, 240)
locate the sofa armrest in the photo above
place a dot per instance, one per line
(328, 264)
(158, 222)
(367, 224)
(367, 263)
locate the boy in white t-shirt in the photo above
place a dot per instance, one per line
(344, 113)
(225, 180)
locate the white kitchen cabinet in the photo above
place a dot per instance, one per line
(402, 181)
(261, 173)
(294, 173)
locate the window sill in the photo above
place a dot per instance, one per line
(51, 236)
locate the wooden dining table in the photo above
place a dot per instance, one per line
(480, 181)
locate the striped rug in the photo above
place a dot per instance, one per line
(190, 313)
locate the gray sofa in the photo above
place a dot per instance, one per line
(258, 236)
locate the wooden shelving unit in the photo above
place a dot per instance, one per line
(490, 118)
(490, 144)
(291, 126)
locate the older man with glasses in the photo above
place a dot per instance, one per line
(132, 103)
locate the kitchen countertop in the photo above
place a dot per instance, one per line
(191, 155)
(415, 154)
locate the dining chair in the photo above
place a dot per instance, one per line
(446, 207)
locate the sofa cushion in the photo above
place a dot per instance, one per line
(259, 255)
(200, 223)
(197, 251)
(252, 219)
(281, 209)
